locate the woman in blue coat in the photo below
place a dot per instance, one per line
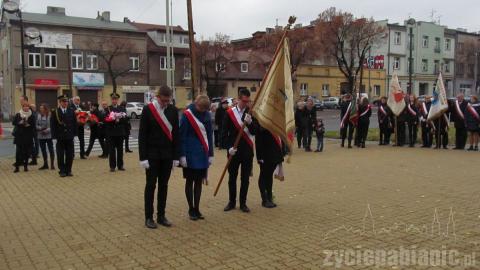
(196, 136)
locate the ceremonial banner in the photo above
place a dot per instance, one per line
(439, 101)
(274, 106)
(396, 97)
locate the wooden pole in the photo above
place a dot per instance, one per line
(69, 59)
(193, 58)
(240, 133)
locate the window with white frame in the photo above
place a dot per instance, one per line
(50, 58)
(303, 89)
(187, 71)
(91, 61)
(436, 67)
(396, 63)
(437, 44)
(325, 90)
(397, 38)
(220, 67)
(425, 42)
(134, 63)
(163, 63)
(376, 90)
(448, 44)
(77, 60)
(244, 67)
(424, 65)
(34, 59)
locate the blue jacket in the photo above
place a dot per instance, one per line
(191, 146)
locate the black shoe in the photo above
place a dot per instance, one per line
(267, 204)
(16, 170)
(192, 215)
(245, 208)
(274, 204)
(342, 145)
(363, 145)
(476, 148)
(149, 223)
(349, 147)
(128, 151)
(316, 151)
(470, 148)
(62, 174)
(164, 222)
(112, 169)
(121, 169)
(198, 214)
(102, 156)
(83, 157)
(230, 206)
(44, 167)
(69, 174)
(25, 169)
(445, 147)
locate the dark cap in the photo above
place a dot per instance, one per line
(114, 95)
(62, 97)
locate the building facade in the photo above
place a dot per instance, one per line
(467, 55)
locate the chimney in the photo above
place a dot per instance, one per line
(106, 16)
(126, 20)
(59, 11)
(298, 25)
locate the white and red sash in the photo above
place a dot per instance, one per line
(411, 111)
(366, 111)
(278, 140)
(199, 128)
(459, 111)
(347, 113)
(236, 118)
(382, 110)
(473, 112)
(161, 119)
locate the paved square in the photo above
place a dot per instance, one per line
(379, 198)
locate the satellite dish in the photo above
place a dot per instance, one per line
(11, 7)
(32, 32)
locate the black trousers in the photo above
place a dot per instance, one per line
(127, 141)
(81, 138)
(23, 153)
(65, 152)
(400, 133)
(460, 138)
(94, 136)
(44, 144)
(265, 180)
(343, 132)
(159, 171)
(103, 141)
(216, 137)
(299, 132)
(362, 132)
(246, 164)
(412, 133)
(441, 137)
(36, 147)
(385, 133)
(116, 151)
(307, 137)
(427, 135)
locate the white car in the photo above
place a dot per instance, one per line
(134, 109)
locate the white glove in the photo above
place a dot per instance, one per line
(260, 161)
(175, 163)
(210, 161)
(144, 164)
(248, 119)
(232, 151)
(183, 162)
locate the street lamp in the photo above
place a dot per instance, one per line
(33, 35)
(411, 22)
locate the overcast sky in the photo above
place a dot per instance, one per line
(240, 18)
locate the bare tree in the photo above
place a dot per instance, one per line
(114, 53)
(347, 40)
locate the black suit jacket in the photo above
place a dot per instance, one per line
(115, 129)
(459, 121)
(63, 126)
(229, 135)
(153, 143)
(267, 148)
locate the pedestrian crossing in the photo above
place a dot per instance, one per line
(133, 144)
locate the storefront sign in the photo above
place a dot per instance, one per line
(82, 79)
(55, 40)
(46, 82)
(135, 89)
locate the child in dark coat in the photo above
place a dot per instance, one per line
(320, 131)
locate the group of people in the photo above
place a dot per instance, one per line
(34, 130)
(464, 114)
(166, 142)
(306, 123)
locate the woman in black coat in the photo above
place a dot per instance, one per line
(24, 123)
(472, 120)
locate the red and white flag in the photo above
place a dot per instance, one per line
(396, 97)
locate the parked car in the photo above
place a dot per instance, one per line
(331, 103)
(219, 99)
(319, 105)
(134, 109)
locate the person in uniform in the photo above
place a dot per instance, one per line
(196, 151)
(77, 107)
(24, 123)
(384, 123)
(412, 119)
(311, 115)
(427, 126)
(243, 154)
(128, 129)
(364, 111)
(159, 152)
(64, 128)
(345, 124)
(270, 151)
(458, 116)
(102, 130)
(116, 121)
(94, 123)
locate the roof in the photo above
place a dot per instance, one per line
(71, 21)
(147, 27)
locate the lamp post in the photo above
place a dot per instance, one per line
(411, 22)
(31, 33)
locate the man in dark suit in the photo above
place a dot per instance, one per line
(458, 117)
(243, 154)
(116, 133)
(102, 130)
(77, 107)
(159, 151)
(63, 124)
